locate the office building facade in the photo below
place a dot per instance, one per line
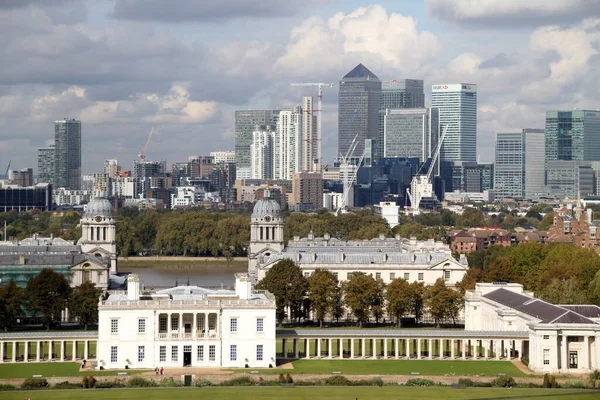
(534, 151)
(246, 123)
(471, 177)
(573, 135)
(358, 110)
(411, 132)
(67, 154)
(570, 179)
(509, 171)
(46, 164)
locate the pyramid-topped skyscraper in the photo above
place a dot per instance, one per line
(358, 110)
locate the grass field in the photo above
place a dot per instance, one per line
(399, 367)
(312, 393)
(26, 370)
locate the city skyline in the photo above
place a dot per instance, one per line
(188, 68)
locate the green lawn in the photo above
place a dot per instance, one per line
(398, 367)
(26, 370)
(309, 393)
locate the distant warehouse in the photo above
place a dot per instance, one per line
(13, 197)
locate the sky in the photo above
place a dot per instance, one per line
(185, 66)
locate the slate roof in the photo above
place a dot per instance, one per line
(589, 311)
(547, 313)
(49, 259)
(360, 71)
(408, 333)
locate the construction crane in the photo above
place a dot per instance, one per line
(422, 185)
(7, 169)
(142, 153)
(319, 110)
(348, 181)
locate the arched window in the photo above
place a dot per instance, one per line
(104, 233)
(261, 233)
(267, 233)
(98, 233)
(91, 233)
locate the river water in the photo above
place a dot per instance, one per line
(165, 277)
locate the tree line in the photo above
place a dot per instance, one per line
(46, 223)
(362, 296)
(558, 273)
(46, 296)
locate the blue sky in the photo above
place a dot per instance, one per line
(185, 66)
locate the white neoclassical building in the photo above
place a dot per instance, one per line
(384, 258)
(562, 338)
(187, 326)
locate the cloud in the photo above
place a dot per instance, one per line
(498, 13)
(207, 10)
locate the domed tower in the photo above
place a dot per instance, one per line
(99, 233)
(266, 230)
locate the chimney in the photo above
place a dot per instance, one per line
(133, 287)
(243, 286)
(589, 214)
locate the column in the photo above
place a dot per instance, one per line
(62, 350)
(169, 322)
(74, 350)
(396, 343)
(385, 348)
(26, 351)
(352, 348)
(296, 349)
(329, 348)
(180, 326)
(85, 349)
(306, 348)
(319, 348)
(430, 354)
(585, 357)
(464, 349)
(217, 325)
(486, 348)
(374, 348)
(452, 349)
(1, 351)
(418, 349)
(564, 353)
(284, 348)
(38, 350)
(597, 351)
(50, 346)
(14, 352)
(406, 348)
(497, 349)
(194, 325)
(362, 353)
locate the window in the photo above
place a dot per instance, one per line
(546, 337)
(377, 275)
(187, 349)
(233, 324)
(446, 275)
(212, 352)
(406, 276)
(259, 352)
(87, 276)
(335, 274)
(509, 323)
(200, 353)
(260, 324)
(546, 356)
(348, 275)
(174, 353)
(475, 308)
(174, 323)
(141, 326)
(307, 274)
(421, 276)
(233, 352)
(162, 324)
(114, 326)
(141, 353)
(113, 354)
(163, 354)
(392, 276)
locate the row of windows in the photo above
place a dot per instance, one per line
(114, 353)
(233, 325)
(212, 351)
(114, 325)
(421, 275)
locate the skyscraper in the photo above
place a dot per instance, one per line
(67, 154)
(411, 132)
(287, 146)
(535, 155)
(246, 122)
(261, 151)
(358, 110)
(458, 109)
(573, 135)
(403, 93)
(509, 166)
(46, 164)
(309, 136)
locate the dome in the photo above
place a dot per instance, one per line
(266, 207)
(99, 206)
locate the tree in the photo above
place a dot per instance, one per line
(398, 299)
(417, 298)
(84, 303)
(471, 217)
(502, 270)
(443, 302)
(564, 291)
(337, 310)
(288, 285)
(546, 222)
(11, 301)
(322, 286)
(48, 293)
(378, 304)
(360, 291)
(469, 280)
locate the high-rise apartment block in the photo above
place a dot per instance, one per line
(67, 154)
(261, 151)
(310, 142)
(223, 156)
(22, 177)
(46, 164)
(111, 168)
(358, 110)
(573, 135)
(411, 132)
(287, 145)
(458, 109)
(307, 191)
(247, 122)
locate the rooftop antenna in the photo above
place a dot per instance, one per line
(188, 281)
(176, 283)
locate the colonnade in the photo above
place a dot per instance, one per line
(45, 350)
(202, 325)
(400, 348)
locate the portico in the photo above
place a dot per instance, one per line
(47, 346)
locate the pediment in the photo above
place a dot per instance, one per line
(89, 264)
(449, 263)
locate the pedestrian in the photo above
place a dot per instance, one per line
(156, 370)
(162, 370)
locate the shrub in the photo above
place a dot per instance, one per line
(420, 382)
(575, 385)
(204, 383)
(268, 382)
(367, 382)
(6, 388)
(529, 385)
(170, 382)
(503, 381)
(117, 383)
(308, 383)
(88, 382)
(34, 383)
(338, 380)
(549, 381)
(288, 378)
(241, 381)
(66, 385)
(525, 360)
(594, 376)
(138, 381)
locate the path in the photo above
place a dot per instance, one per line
(522, 367)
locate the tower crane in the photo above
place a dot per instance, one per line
(421, 185)
(142, 153)
(7, 169)
(319, 111)
(348, 181)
